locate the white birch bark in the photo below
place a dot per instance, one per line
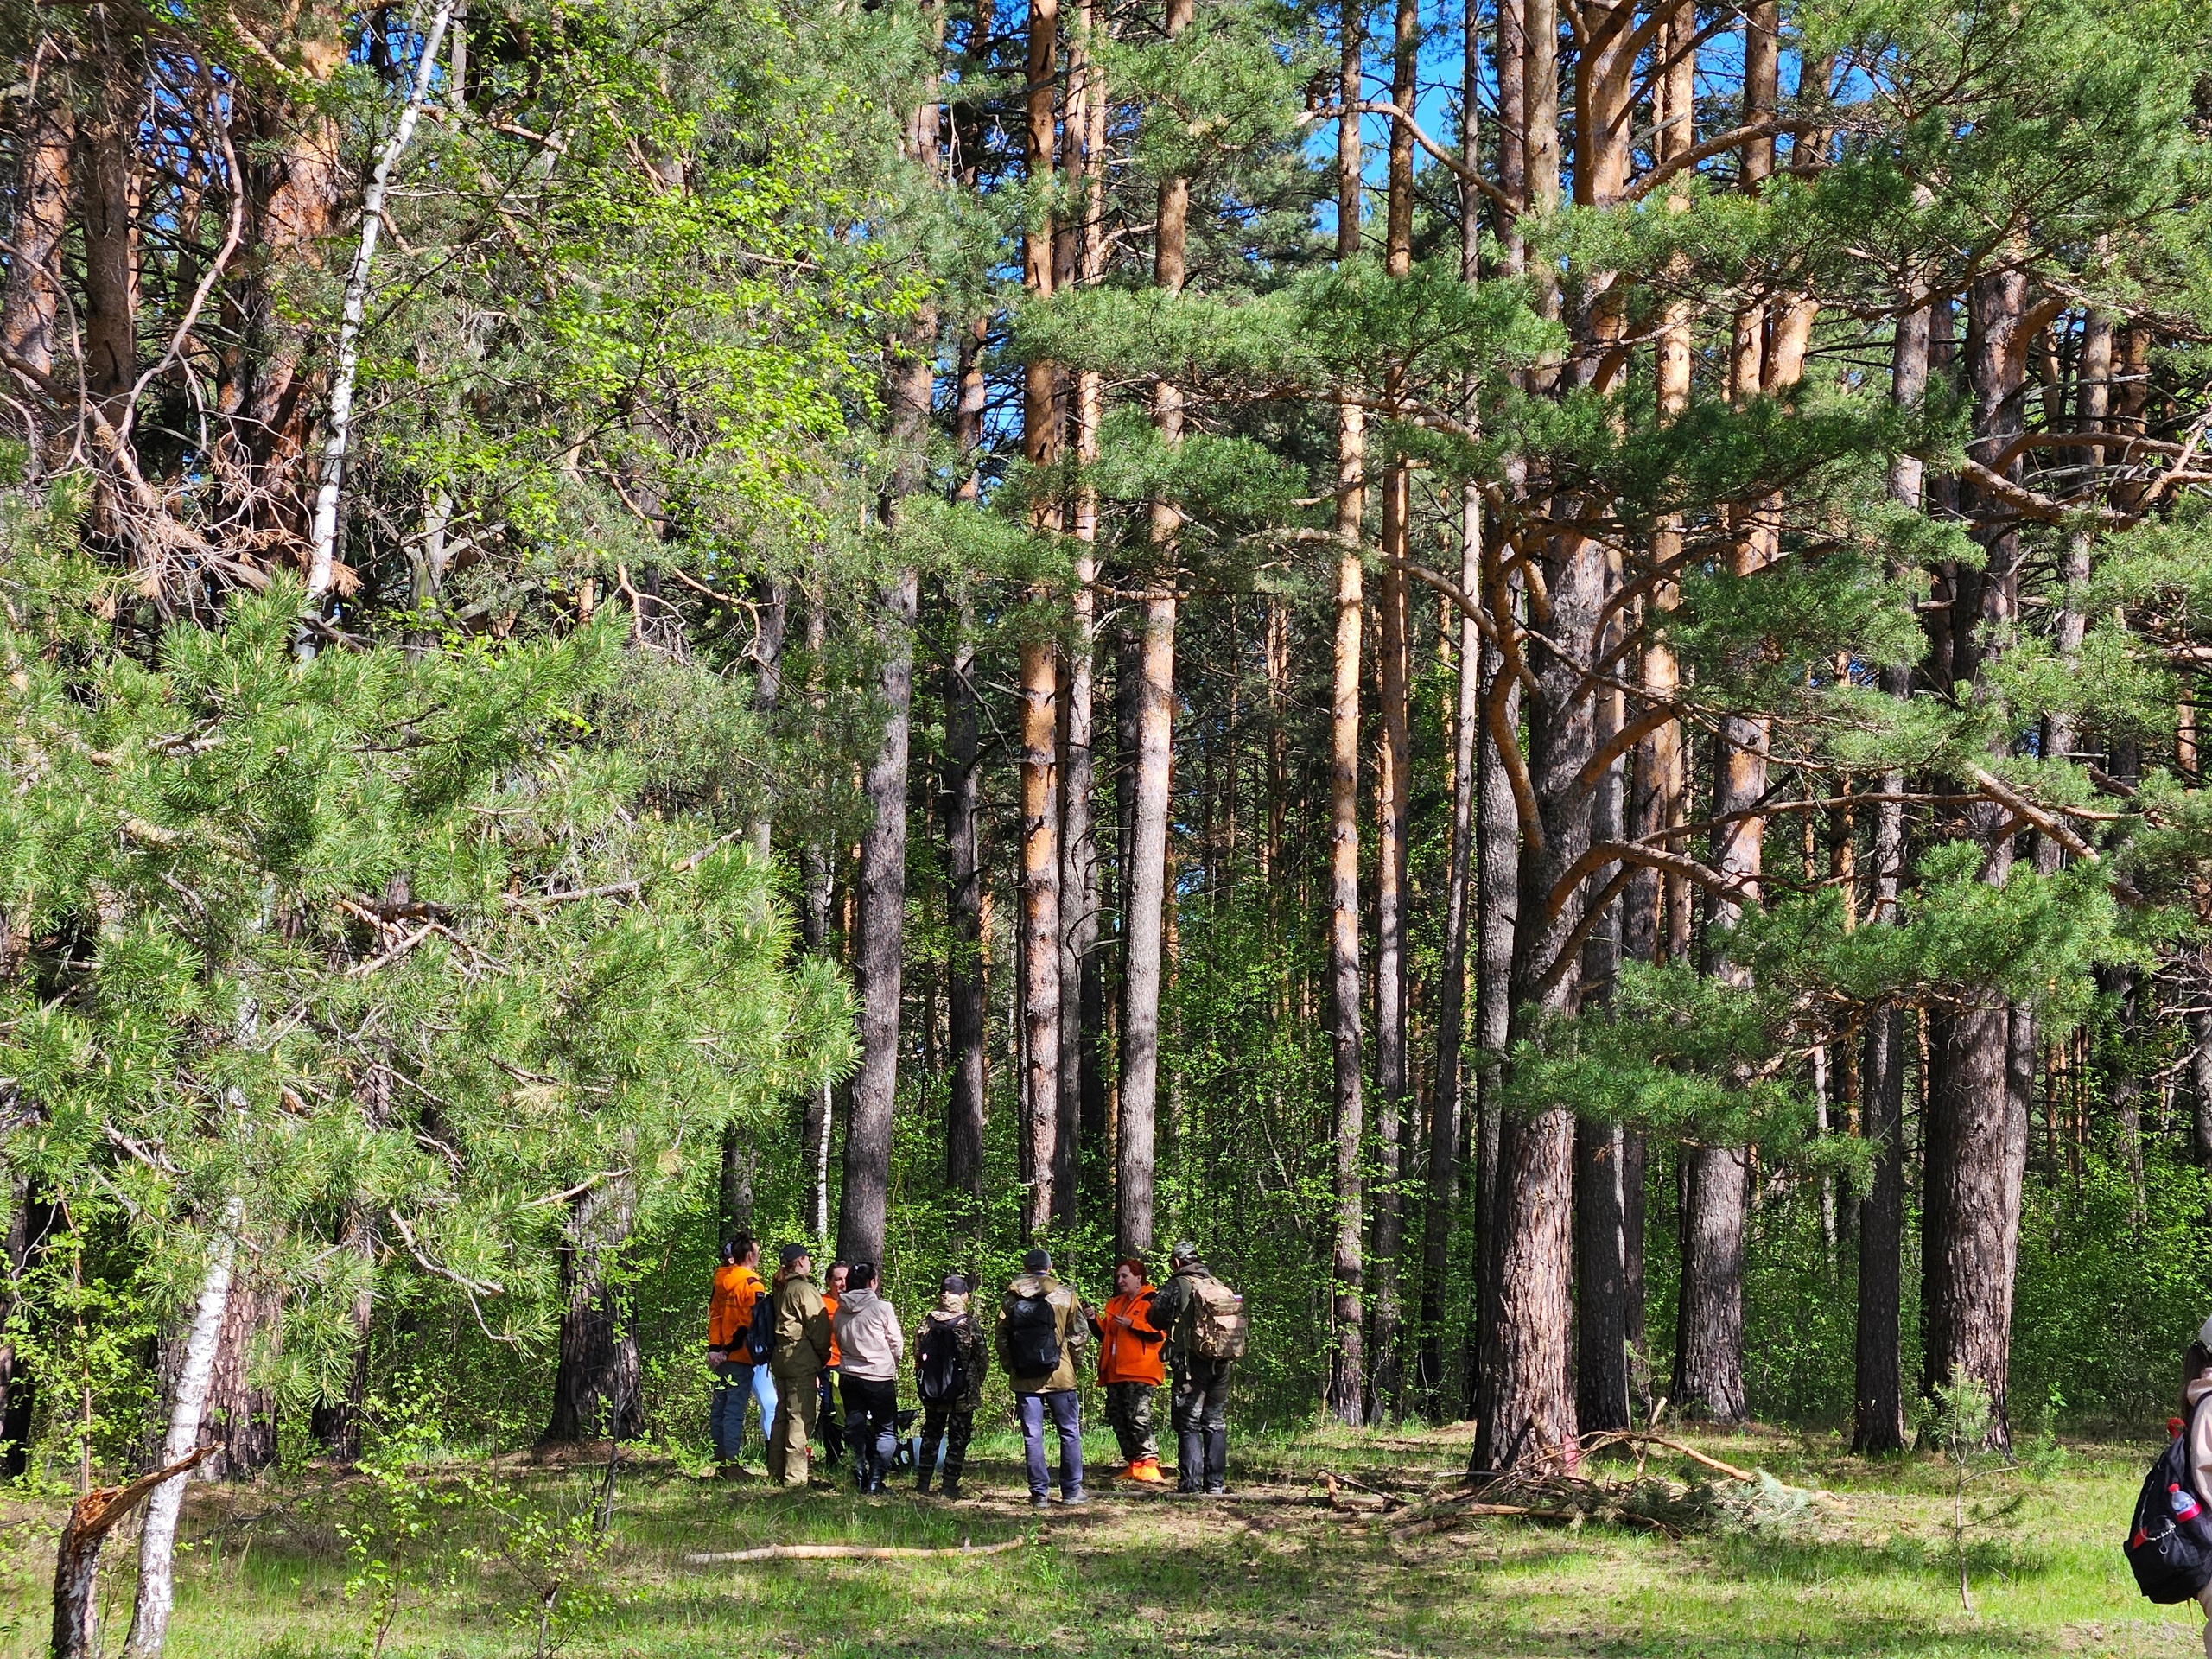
(323, 538)
(150, 1616)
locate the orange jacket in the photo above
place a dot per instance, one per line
(1130, 1353)
(836, 1358)
(731, 1310)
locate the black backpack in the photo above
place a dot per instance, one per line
(2170, 1553)
(1032, 1334)
(760, 1334)
(940, 1364)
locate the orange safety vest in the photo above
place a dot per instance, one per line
(731, 1310)
(1122, 1355)
(835, 1359)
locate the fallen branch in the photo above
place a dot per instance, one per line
(77, 1558)
(1690, 1452)
(1331, 1481)
(845, 1553)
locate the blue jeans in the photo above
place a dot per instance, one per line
(1063, 1404)
(726, 1409)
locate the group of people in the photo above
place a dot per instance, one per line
(796, 1347)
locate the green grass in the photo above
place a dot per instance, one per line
(1874, 1574)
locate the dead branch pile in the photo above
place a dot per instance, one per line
(1717, 1497)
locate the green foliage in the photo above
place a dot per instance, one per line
(301, 935)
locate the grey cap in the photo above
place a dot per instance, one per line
(954, 1285)
(1183, 1251)
(1037, 1261)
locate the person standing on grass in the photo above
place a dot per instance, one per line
(949, 1367)
(1199, 1402)
(1041, 1328)
(2196, 1390)
(865, 1329)
(729, 1318)
(1129, 1368)
(802, 1348)
(832, 1421)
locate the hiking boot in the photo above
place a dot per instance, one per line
(951, 1491)
(1216, 1491)
(1039, 1500)
(1148, 1471)
(922, 1482)
(1075, 1499)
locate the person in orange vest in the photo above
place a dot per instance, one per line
(730, 1317)
(832, 1421)
(1130, 1368)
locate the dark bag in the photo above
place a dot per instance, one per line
(940, 1363)
(1033, 1335)
(760, 1334)
(2169, 1544)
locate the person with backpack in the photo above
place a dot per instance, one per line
(1042, 1326)
(2170, 1536)
(800, 1349)
(949, 1367)
(1206, 1334)
(739, 1368)
(1130, 1368)
(870, 1345)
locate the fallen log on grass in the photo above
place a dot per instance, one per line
(846, 1552)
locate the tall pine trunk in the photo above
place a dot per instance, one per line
(1040, 988)
(1878, 1422)
(1392, 785)
(1152, 699)
(1445, 1126)
(1709, 1340)
(1079, 980)
(43, 139)
(879, 920)
(1347, 1395)
(1977, 1134)
(965, 1008)
(596, 1371)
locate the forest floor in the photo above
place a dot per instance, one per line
(1871, 1569)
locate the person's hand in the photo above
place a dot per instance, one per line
(1124, 1321)
(717, 1355)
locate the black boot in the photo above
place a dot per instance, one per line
(1216, 1460)
(1191, 1461)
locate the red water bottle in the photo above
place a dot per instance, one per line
(2183, 1503)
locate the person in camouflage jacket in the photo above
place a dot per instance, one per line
(951, 1422)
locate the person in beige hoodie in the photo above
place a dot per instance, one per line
(2196, 1388)
(870, 1345)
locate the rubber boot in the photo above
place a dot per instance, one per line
(1191, 1461)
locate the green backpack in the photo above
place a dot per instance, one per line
(1219, 1330)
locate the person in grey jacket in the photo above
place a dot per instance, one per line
(870, 1345)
